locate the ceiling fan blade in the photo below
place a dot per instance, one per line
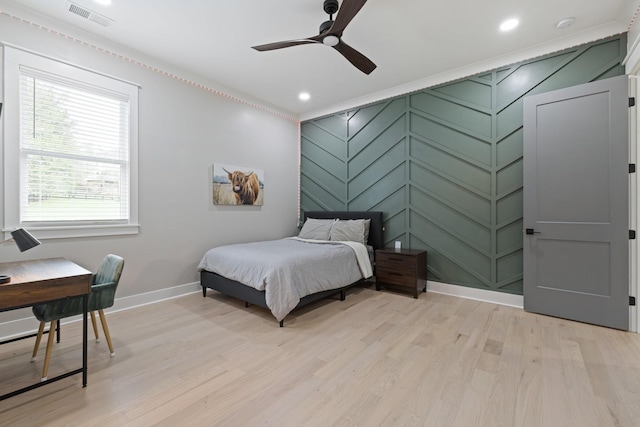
(347, 12)
(361, 62)
(287, 43)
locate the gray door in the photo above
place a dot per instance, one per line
(576, 264)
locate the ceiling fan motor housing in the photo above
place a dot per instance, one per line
(330, 6)
(325, 26)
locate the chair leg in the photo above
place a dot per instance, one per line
(47, 355)
(95, 325)
(38, 338)
(105, 328)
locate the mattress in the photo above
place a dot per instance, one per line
(289, 269)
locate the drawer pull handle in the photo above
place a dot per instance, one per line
(396, 259)
(393, 273)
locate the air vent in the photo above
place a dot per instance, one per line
(90, 15)
(79, 11)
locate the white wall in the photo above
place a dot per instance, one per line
(183, 131)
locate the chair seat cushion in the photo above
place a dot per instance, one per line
(102, 296)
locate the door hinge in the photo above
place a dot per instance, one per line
(632, 168)
(632, 300)
(632, 101)
(632, 234)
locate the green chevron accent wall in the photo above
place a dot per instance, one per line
(444, 164)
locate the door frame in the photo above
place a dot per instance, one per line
(632, 68)
(634, 200)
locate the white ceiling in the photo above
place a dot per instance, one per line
(411, 41)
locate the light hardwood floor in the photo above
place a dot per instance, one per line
(377, 358)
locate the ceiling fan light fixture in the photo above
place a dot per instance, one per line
(331, 40)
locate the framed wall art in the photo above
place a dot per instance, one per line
(237, 185)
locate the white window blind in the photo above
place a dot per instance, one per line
(74, 151)
(71, 149)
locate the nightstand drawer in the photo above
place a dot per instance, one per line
(391, 262)
(399, 278)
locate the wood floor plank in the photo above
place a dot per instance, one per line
(376, 359)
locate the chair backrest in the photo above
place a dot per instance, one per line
(110, 270)
(101, 297)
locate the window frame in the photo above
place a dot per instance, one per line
(14, 58)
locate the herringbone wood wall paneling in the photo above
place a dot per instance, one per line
(445, 164)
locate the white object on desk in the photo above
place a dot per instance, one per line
(398, 245)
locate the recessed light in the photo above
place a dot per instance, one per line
(566, 22)
(509, 24)
(304, 96)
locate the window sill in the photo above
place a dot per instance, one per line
(65, 232)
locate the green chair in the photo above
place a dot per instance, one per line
(103, 290)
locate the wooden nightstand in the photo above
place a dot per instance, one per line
(402, 269)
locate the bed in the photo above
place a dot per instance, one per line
(213, 262)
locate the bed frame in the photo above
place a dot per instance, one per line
(252, 296)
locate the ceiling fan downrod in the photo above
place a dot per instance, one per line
(330, 7)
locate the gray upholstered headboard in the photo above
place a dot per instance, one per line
(375, 228)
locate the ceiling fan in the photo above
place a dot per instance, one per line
(331, 34)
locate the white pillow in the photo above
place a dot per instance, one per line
(352, 230)
(316, 229)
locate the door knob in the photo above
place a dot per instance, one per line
(531, 231)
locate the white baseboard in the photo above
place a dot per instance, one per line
(152, 297)
(501, 298)
(29, 325)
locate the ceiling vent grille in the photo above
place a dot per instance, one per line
(90, 15)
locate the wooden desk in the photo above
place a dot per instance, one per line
(43, 280)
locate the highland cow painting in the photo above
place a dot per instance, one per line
(237, 185)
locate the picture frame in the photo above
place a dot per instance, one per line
(237, 185)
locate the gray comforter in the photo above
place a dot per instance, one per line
(288, 269)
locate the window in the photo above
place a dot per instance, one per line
(71, 149)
